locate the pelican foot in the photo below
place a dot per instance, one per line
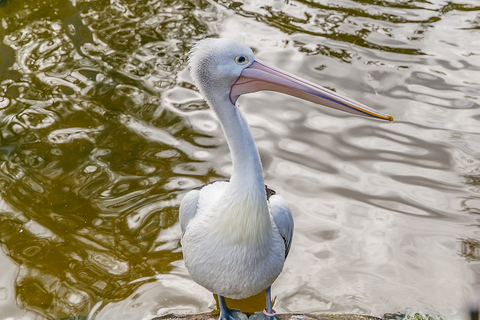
(233, 314)
(260, 316)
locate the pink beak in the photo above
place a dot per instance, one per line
(259, 76)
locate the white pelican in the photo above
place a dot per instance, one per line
(237, 234)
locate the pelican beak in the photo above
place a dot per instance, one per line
(259, 76)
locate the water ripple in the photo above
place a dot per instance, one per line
(102, 132)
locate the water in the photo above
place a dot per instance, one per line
(102, 133)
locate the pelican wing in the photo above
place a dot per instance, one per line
(282, 216)
(188, 208)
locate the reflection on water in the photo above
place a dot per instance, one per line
(91, 161)
(102, 132)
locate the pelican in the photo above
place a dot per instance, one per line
(236, 234)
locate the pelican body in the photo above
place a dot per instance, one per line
(237, 233)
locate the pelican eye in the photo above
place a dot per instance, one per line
(241, 60)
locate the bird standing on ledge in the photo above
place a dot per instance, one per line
(237, 234)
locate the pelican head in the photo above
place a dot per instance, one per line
(215, 64)
(225, 68)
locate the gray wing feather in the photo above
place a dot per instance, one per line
(282, 216)
(188, 208)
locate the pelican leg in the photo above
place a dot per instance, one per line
(229, 314)
(268, 313)
(269, 308)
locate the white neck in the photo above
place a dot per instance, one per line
(247, 167)
(245, 203)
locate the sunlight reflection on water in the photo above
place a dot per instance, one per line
(103, 132)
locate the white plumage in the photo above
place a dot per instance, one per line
(235, 236)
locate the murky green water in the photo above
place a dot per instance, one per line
(102, 132)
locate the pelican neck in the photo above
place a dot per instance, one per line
(244, 214)
(247, 166)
